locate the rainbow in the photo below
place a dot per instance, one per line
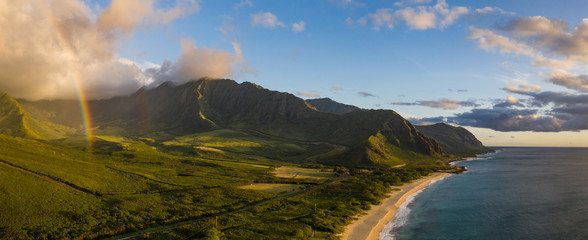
(75, 76)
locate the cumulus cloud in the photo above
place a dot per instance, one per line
(550, 42)
(501, 119)
(506, 119)
(441, 103)
(299, 26)
(568, 112)
(195, 63)
(365, 94)
(437, 16)
(267, 20)
(126, 15)
(336, 88)
(57, 48)
(308, 94)
(490, 41)
(572, 81)
(511, 102)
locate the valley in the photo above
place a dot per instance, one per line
(270, 167)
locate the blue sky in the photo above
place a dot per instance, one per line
(512, 72)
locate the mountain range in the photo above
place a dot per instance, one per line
(357, 137)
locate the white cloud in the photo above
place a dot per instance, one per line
(489, 41)
(438, 16)
(381, 18)
(126, 15)
(572, 81)
(267, 20)
(511, 100)
(419, 19)
(522, 88)
(195, 63)
(58, 48)
(550, 43)
(243, 3)
(299, 26)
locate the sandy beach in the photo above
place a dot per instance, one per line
(369, 226)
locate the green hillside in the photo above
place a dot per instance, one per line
(206, 105)
(15, 121)
(455, 140)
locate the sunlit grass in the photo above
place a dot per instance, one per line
(298, 172)
(276, 188)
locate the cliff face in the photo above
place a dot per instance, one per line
(455, 140)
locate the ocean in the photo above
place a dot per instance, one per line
(515, 193)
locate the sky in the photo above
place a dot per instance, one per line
(512, 72)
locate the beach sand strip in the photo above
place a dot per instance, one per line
(370, 225)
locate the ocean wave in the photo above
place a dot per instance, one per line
(484, 156)
(401, 216)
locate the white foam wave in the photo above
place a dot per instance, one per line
(401, 216)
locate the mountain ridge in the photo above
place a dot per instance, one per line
(373, 137)
(328, 105)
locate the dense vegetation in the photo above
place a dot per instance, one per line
(125, 185)
(207, 159)
(325, 209)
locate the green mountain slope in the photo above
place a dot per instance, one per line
(328, 105)
(455, 140)
(206, 105)
(15, 121)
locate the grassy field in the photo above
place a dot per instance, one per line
(57, 190)
(275, 188)
(227, 142)
(31, 203)
(60, 189)
(302, 173)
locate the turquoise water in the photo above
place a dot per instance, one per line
(516, 193)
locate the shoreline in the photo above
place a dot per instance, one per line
(370, 225)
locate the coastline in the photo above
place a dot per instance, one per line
(370, 225)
